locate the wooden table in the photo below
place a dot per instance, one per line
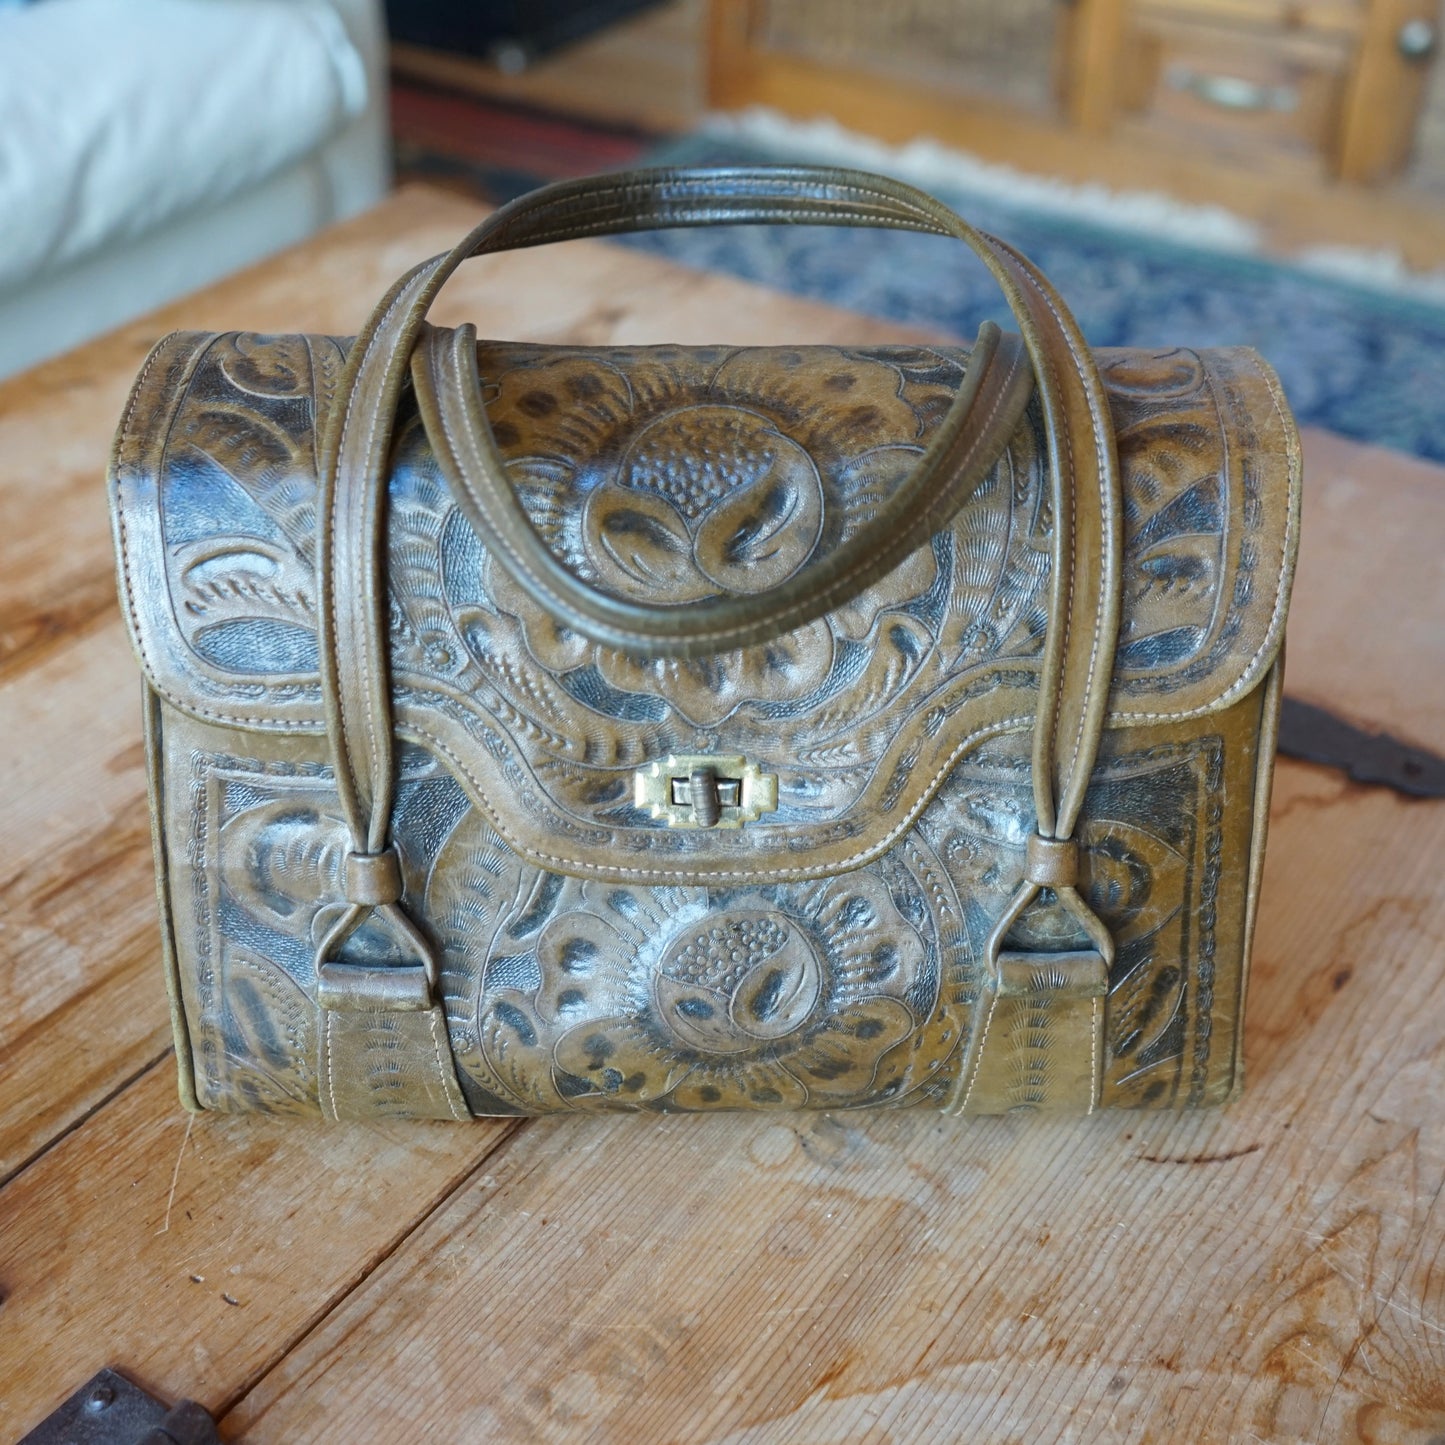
(1272, 1271)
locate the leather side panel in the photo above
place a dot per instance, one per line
(1271, 700)
(1186, 1003)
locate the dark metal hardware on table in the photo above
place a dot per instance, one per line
(1316, 735)
(110, 1410)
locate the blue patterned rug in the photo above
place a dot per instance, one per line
(1365, 363)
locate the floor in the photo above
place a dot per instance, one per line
(493, 151)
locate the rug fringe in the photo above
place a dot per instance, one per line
(934, 166)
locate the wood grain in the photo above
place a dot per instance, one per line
(1092, 67)
(1382, 107)
(1296, 204)
(644, 72)
(1271, 1271)
(79, 1009)
(194, 1251)
(1342, 16)
(1371, 568)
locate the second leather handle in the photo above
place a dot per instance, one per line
(995, 389)
(1084, 585)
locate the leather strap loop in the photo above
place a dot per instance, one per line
(373, 878)
(1052, 862)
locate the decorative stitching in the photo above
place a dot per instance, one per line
(438, 270)
(1249, 676)
(326, 1061)
(795, 215)
(1107, 511)
(123, 446)
(424, 277)
(145, 371)
(442, 1069)
(915, 206)
(1093, 1056)
(978, 1062)
(1047, 779)
(189, 706)
(664, 875)
(345, 752)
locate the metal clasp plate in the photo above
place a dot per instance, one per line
(737, 791)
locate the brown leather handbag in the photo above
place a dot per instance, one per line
(542, 728)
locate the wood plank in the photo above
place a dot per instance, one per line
(1237, 1275)
(1268, 1270)
(1364, 634)
(1231, 1273)
(1382, 105)
(1342, 16)
(196, 1250)
(56, 578)
(1094, 37)
(82, 1002)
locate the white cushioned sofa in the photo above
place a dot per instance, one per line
(150, 146)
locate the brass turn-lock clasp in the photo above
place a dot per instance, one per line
(705, 791)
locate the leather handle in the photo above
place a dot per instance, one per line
(1077, 659)
(1084, 587)
(985, 412)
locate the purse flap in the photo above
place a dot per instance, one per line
(672, 474)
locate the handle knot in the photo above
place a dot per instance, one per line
(373, 879)
(1052, 862)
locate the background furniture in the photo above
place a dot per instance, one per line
(643, 73)
(513, 33)
(149, 147)
(1268, 1271)
(1323, 118)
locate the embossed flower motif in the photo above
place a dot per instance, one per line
(676, 475)
(778, 999)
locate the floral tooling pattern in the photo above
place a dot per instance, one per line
(708, 472)
(584, 994)
(677, 472)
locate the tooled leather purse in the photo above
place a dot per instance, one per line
(549, 728)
